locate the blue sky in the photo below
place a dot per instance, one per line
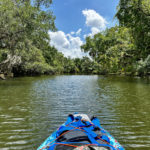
(76, 19)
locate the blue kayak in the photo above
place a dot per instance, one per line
(80, 132)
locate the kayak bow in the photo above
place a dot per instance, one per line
(80, 133)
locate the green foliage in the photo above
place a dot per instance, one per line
(24, 32)
(3, 55)
(143, 67)
(39, 3)
(135, 14)
(119, 49)
(86, 65)
(24, 27)
(69, 66)
(33, 61)
(19, 21)
(112, 49)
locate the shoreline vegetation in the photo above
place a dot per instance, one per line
(25, 50)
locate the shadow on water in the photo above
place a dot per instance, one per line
(31, 108)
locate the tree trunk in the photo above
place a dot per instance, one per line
(2, 76)
(7, 65)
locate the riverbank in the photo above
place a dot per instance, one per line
(11, 75)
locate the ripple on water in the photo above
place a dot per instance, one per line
(35, 107)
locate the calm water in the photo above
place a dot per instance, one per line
(32, 107)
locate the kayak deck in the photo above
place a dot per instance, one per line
(80, 132)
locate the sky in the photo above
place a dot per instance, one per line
(77, 19)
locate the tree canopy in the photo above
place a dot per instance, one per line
(126, 47)
(135, 14)
(25, 43)
(24, 30)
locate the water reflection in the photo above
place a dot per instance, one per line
(32, 107)
(131, 101)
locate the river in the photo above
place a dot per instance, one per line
(31, 108)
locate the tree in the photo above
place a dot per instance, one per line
(135, 14)
(24, 28)
(113, 49)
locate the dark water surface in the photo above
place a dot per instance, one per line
(32, 107)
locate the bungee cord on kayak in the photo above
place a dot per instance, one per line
(79, 132)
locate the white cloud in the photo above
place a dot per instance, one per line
(94, 30)
(78, 32)
(75, 42)
(68, 44)
(59, 38)
(93, 19)
(72, 33)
